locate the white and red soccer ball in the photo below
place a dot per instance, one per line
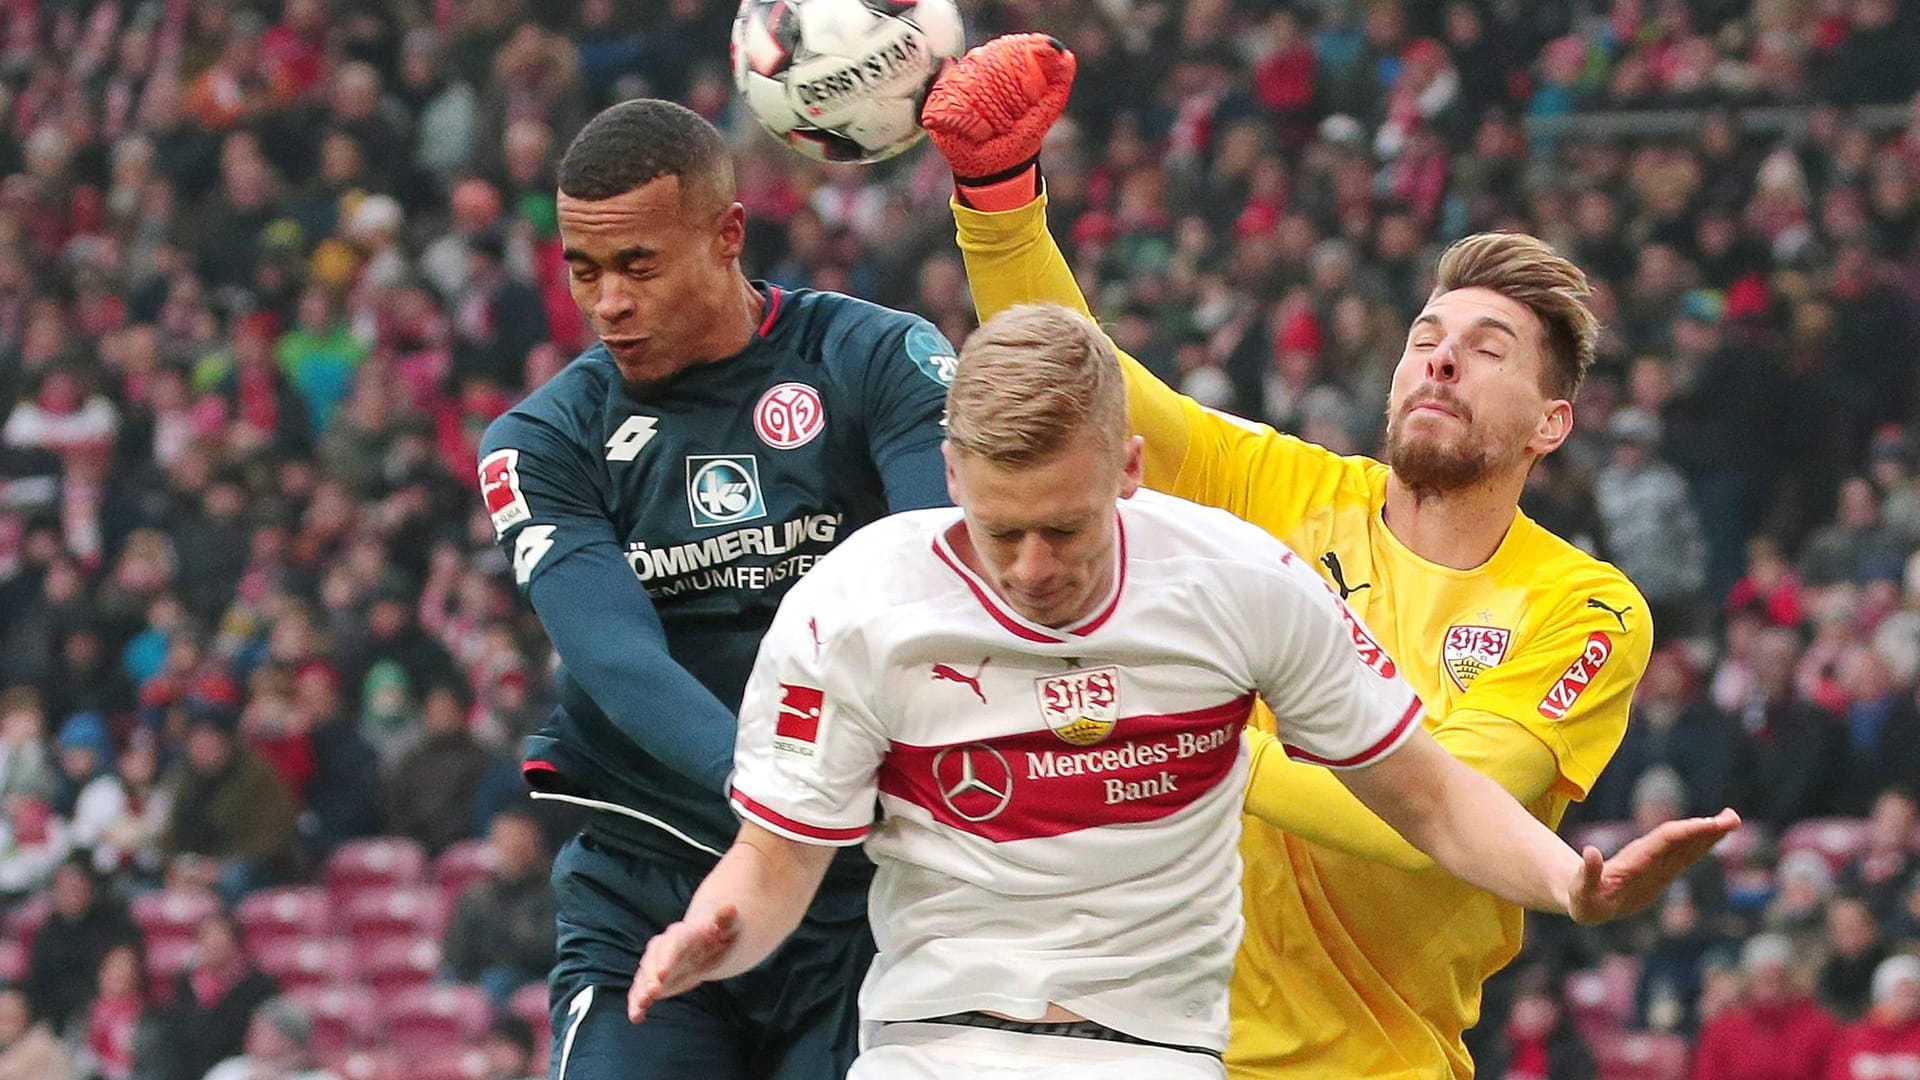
(842, 80)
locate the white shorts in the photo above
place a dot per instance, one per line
(913, 1051)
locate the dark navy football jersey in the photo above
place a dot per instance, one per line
(686, 510)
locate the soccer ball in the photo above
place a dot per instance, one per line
(842, 80)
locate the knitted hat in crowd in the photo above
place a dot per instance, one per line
(1809, 867)
(289, 1018)
(1703, 306)
(1634, 426)
(1893, 971)
(1301, 333)
(1747, 298)
(87, 731)
(214, 701)
(1766, 950)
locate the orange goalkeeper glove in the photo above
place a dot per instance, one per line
(989, 112)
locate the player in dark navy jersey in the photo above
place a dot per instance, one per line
(656, 499)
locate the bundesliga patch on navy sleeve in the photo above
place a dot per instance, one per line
(500, 487)
(931, 353)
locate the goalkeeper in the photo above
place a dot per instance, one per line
(1525, 650)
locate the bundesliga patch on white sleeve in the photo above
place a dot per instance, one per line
(796, 731)
(500, 487)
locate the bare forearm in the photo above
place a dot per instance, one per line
(768, 881)
(1469, 824)
(1482, 836)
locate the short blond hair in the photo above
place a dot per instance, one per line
(1030, 378)
(1528, 271)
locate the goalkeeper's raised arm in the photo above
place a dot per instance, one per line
(988, 116)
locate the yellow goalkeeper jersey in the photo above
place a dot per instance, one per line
(1362, 959)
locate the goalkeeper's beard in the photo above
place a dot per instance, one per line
(1437, 464)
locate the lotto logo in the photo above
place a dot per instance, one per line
(632, 437)
(789, 416)
(724, 489)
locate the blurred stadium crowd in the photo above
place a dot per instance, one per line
(267, 270)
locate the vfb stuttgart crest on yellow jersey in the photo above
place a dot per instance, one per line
(1470, 650)
(1081, 706)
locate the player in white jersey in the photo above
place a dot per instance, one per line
(1045, 692)
(1060, 805)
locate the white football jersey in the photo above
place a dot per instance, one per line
(1058, 809)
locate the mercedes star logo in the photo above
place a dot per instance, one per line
(973, 780)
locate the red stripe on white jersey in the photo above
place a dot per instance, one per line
(765, 815)
(1024, 628)
(1036, 784)
(988, 600)
(1099, 619)
(1364, 757)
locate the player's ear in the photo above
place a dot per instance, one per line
(1553, 429)
(953, 477)
(731, 237)
(1133, 469)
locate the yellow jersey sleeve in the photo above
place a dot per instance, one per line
(1571, 684)
(1270, 479)
(1311, 802)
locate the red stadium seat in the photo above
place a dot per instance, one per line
(13, 961)
(379, 863)
(1640, 1055)
(413, 912)
(284, 915)
(1608, 836)
(313, 963)
(461, 865)
(391, 966)
(1600, 999)
(529, 1003)
(1590, 1006)
(425, 1023)
(171, 914)
(465, 1065)
(368, 1065)
(23, 922)
(1838, 840)
(345, 1018)
(167, 957)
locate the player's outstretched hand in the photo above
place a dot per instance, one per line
(1635, 877)
(679, 958)
(992, 107)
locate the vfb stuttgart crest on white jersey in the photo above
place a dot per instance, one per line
(1081, 706)
(1470, 650)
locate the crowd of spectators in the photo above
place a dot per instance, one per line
(268, 268)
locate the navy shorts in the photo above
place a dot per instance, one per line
(795, 1017)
